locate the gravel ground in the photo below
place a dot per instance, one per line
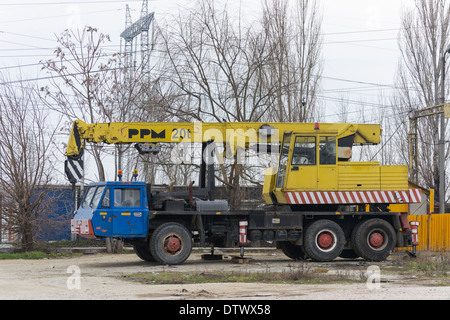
(94, 276)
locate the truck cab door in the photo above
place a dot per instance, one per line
(327, 168)
(129, 211)
(302, 168)
(104, 217)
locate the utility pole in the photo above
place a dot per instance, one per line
(442, 143)
(1, 200)
(442, 139)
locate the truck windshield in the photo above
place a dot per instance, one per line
(97, 195)
(93, 195)
(88, 197)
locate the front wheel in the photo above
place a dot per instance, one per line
(324, 240)
(142, 250)
(171, 243)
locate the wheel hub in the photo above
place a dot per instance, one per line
(325, 240)
(173, 244)
(376, 239)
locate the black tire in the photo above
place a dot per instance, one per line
(142, 250)
(353, 239)
(291, 250)
(373, 239)
(171, 243)
(324, 240)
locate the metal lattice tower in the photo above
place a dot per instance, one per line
(145, 45)
(128, 41)
(130, 35)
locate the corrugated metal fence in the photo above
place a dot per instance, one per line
(434, 231)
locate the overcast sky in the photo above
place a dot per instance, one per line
(360, 38)
(360, 49)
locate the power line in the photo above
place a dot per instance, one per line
(54, 77)
(65, 2)
(26, 35)
(360, 31)
(359, 82)
(361, 40)
(323, 77)
(31, 47)
(58, 16)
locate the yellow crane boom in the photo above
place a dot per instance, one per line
(234, 134)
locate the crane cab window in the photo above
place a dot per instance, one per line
(127, 197)
(284, 155)
(327, 150)
(304, 151)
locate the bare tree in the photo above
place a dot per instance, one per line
(77, 80)
(125, 96)
(295, 68)
(26, 147)
(216, 64)
(423, 38)
(88, 84)
(223, 69)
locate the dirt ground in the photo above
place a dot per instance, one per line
(92, 276)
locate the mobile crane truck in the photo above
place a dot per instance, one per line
(319, 205)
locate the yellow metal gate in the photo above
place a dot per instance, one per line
(434, 231)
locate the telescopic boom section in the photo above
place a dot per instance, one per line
(231, 134)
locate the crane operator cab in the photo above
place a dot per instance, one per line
(315, 168)
(307, 162)
(303, 159)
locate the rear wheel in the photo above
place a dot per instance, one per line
(291, 250)
(324, 240)
(171, 243)
(373, 239)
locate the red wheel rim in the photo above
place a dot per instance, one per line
(376, 240)
(172, 244)
(325, 240)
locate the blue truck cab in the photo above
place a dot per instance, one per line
(161, 226)
(112, 209)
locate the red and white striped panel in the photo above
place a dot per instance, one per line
(353, 197)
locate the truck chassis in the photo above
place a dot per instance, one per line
(167, 236)
(320, 236)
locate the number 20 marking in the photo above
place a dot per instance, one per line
(181, 134)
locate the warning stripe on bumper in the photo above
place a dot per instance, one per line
(353, 197)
